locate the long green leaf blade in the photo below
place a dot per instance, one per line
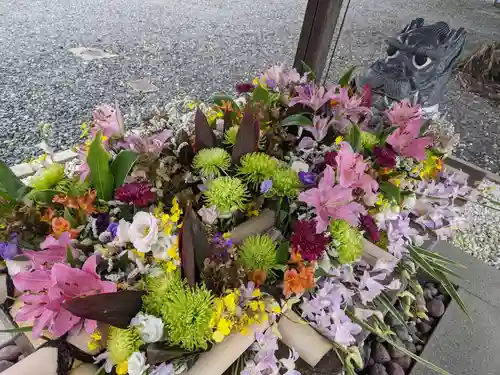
(297, 120)
(122, 165)
(100, 172)
(386, 302)
(346, 78)
(17, 330)
(432, 254)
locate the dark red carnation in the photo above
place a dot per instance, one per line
(385, 156)
(370, 228)
(244, 87)
(307, 242)
(330, 158)
(137, 193)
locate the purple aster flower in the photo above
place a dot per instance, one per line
(308, 178)
(265, 186)
(101, 221)
(137, 193)
(244, 87)
(10, 249)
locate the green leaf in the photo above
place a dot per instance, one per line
(386, 133)
(69, 256)
(443, 269)
(100, 172)
(17, 330)
(391, 191)
(320, 272)
(387, 304)
(67, 215)
(369, 328)
(354, 137)
(297, 120)
(439, 276)
(43, 197)
(283, 253)
(260, 94)
(10, 183)
(122, 165)
(310, 73)
(346, 78)
(218, 100)
(436, 256)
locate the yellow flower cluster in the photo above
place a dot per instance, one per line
(94, 343)
(229, 316)
(169, 224)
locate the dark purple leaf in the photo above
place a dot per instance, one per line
(116, 309)
(228, 122)
(186, 153)
(247, 139)
(160, 352)
(204, 135)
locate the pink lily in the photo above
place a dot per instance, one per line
(147, 144)
(312, 96)
(47, 290)
(349, 110)
(53, 251)
(401, 113)
(108, 119)
(351, 168)
(406, 142)
(319, 128)
(331, 202)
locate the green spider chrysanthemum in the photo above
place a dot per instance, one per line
(228, 194)
(257, 167)
(48, 177)
(159, 289)
(209, 162)
(285, 183)
(230, 135)
(349, 241)
(258, 252)
(187, 314)
(122, 343)
(368, 140)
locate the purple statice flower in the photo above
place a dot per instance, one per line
(265, 186)
(244, 87)
(112, 229)
(308, 178)
(313, 96)
(136, 193)
(9, 249)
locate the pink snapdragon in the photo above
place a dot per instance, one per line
(406, 142)
(46, 290)
(331, 201)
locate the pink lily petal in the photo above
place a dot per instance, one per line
(63, 322)
(35, 280)
(328, 179)
(41, 322)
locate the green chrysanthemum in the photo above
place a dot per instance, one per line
(368, 140)
(159, 289)
(349, 241)
(122, 343)
(257, 167)
(187, 314)
(48, 177)
(209, 162)
(285, 183)
(258, 252)
(230, 135)
(228, 194)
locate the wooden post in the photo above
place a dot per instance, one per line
(316, 35)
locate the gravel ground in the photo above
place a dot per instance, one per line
(197, 49)
(481, 238)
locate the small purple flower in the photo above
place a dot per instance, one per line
(112, 229)
(10, 249)
(101, 221)
(271, 83)
(201, 187)
(265, 186)
(308, 178)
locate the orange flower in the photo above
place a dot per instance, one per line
(59, 226)
(258, 277)
(295, 257)
(86, 203)
(298, 282)
(65, 201)
(48, 215)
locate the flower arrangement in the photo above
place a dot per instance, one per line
(143, 231)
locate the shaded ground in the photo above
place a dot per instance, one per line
(195, 47)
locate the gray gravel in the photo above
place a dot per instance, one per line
(195, 47)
